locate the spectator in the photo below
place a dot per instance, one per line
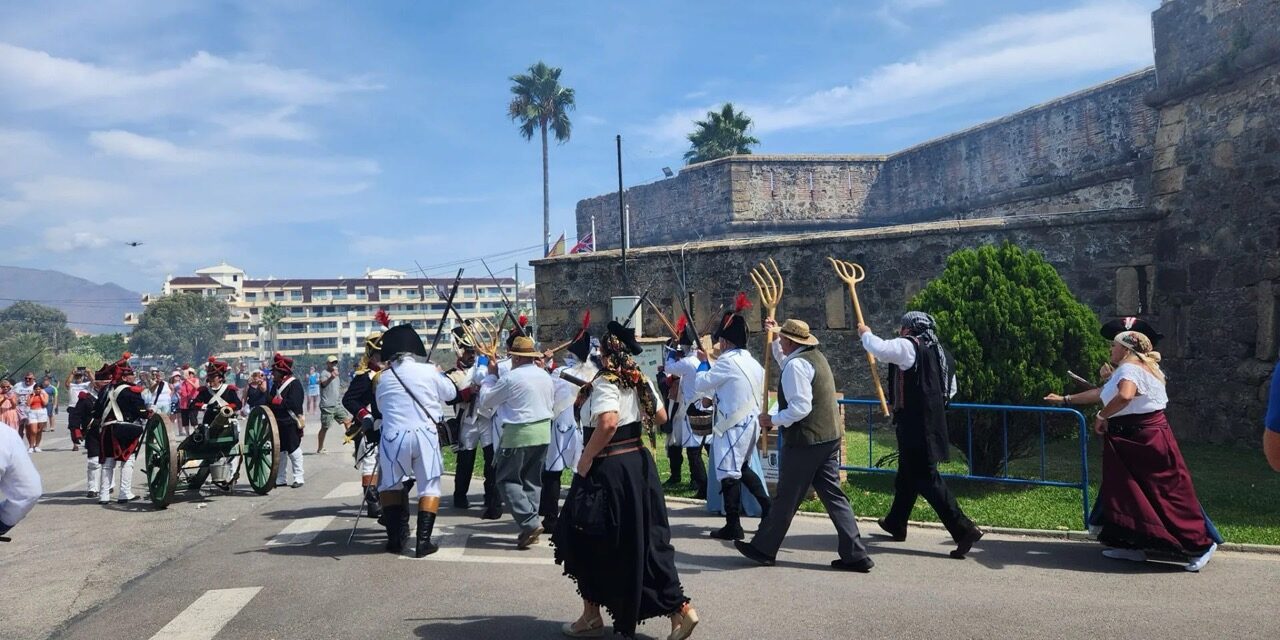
(51, 390)
(256, 395)
(9, 405)
(242, 377)
(1271, 437)
(174, 382)
(313, 390)
(186, 400)
(331, 409)
(37, 414)
(23, 390)
(159, 395)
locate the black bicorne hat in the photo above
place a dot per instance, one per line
(402, 339)
(1113, 328)
(734, 329)
(687, 338)
(581, 345)
(626, 335)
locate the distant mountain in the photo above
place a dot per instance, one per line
(90, 307)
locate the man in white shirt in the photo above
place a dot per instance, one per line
(683, 365)
(19, 480)
(524, 401)
(736, 381)
(921, 383)
(409, 397)
(812, 435)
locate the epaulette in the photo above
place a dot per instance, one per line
(137, 388)
(232, 387)
(375, 378)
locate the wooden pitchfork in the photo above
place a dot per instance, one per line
(852, 274)
(769, 283)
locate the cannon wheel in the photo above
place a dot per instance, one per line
(261, 450)
(162, 462)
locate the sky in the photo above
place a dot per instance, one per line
(318, 139)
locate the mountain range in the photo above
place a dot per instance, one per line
(90, 307)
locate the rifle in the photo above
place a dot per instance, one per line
(24, 363)
(505, 302)
(448, 304)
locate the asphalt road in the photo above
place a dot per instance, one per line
(279, 566)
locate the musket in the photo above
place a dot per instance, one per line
(24, 363)
(684, 290)
(631, 316)
(448, 304)
(505, 302)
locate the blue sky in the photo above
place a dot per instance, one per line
(320, 138)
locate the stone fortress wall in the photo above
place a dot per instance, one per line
(1157, 194)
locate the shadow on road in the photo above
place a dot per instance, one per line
(522, 627)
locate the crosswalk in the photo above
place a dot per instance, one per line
(205, 617)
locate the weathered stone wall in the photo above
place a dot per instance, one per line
(1086, 151)
(1216, 180)
(1170, 211)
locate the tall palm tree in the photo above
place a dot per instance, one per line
(271, 317)
(721, 134)
(539, 103)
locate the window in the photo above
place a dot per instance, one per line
(250, 296)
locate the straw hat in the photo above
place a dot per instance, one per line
(523, 347)
(798, 332)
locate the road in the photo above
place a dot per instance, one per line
(279, 566)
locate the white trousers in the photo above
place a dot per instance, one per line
(410, 453)
(731, 449)
(566, 444)
(93, 470)
(366, 458)
(475, 435)
(108, 480)
(291, 460)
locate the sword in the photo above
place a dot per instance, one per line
(445, 316)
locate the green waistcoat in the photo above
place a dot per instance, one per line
(823, 422)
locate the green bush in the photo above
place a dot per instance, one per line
(1014, 330)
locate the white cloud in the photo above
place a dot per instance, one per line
(194, 88)
(133, 146)
(890, 11)
(1014, 50)
(278, 124)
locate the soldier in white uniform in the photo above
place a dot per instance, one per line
(475, 429)
(566, 435)
(19, 480)
(684, 364)
(409, 397)
(736, 382)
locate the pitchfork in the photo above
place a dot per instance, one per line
(770, 285)
(852, 274)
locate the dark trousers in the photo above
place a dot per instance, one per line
(916, 477)
(519, 472)
(675, 457)
(817, 466)
(697, 470)
(549, 500)
(466, 467)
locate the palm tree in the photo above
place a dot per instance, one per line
(721, 134)
(540, 103)
(271, 317)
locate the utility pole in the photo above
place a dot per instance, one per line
(622, 216)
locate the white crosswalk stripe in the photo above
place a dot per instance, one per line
(346, 490)
(205, 617)
(301, 531)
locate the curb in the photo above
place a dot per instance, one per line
(1050, 534)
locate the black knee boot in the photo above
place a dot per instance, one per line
(549, 501)
(731, 490)
(372, 507)
(674, 459)
(426, 522)
(755, 485)
(492, 500)
(697, 472)
(462, 478)
(395, 517)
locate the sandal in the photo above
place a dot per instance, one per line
(688, 620)
(593, 629)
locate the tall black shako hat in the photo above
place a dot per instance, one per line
(1119, 325)
(625, 335)
(684, 332)
(518, 330)
(402, 339)
(580, 346)
(733, 327)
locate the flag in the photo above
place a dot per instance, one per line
(557, 249)
(585, 245)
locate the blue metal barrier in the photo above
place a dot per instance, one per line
(873, 408)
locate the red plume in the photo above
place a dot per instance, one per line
(586, 320)
(212, 359)
(126, 355)
(522, 320)
(741, 303)
(681, 323)
(382, 318)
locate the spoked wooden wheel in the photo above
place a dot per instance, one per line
(261, 450)
(162, 462)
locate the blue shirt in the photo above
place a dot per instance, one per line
(1273, 402)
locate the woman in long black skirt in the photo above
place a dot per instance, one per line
(612, 537)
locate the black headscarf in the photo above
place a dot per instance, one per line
(923, 327)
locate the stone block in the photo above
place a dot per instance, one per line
(1168, 181)
(1165, 158)
(1127, 291)
(1224, 155)
(1265, 343)
(1170, 134)
(553, 316)
(837, 301)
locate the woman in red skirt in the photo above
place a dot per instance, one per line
(1147, 502)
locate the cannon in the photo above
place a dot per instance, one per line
(212, 453)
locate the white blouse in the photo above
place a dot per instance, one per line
(606, 396)
(1151, 391)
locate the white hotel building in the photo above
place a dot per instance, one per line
(330, 316)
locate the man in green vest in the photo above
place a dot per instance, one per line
(811, 439)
